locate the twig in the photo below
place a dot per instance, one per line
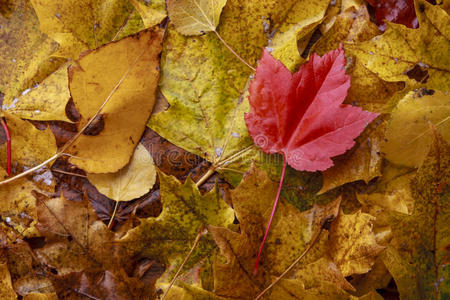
(197, 239)
(325, 225)
(8, 145)
(68, 173)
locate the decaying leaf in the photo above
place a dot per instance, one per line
(31, 146)
(418, 257)
(408, 135)
(126, 73)
(130, 182)
(167, 238)
(395, 55)
(25, 50)
(44, 102)
(195, 17)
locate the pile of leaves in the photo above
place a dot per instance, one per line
(148, 140)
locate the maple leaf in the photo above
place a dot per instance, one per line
(400, 12)
(301, 115)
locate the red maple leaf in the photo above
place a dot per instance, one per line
(301, 115)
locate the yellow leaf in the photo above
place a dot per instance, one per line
(6, 288)
(45, 102)
(195, 17)
(400, 50)
(130, 182)
(29, 145)
(352, 243)
(408, 134)
(362, 162)
(152, 12)
(40, 296)
(127, 73)
(81, 25)
(25, 50)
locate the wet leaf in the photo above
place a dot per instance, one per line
(418, 256)
(195, 17)
(134, 63)
(408, 145)
(130, 182)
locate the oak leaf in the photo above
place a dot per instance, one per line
(302, 115)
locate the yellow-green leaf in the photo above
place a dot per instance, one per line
(152, 12)
(130, 182)
(408, 136)
(126, 73)
(195, 17)
(169, 237)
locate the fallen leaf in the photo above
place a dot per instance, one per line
(362, 162)
(308, 126)
(195, 17)
(130, 182)
(85, 25)
(408, 135)
(134, 63)
(353, 247)
(400, 50)
(40, 296)
(188, 292)
(30, 146)
(44, 102)
(300, 23)
(291, 232)
(418, 256)
(25, 50)
(167, 238)
(6, 289)
(152, 12)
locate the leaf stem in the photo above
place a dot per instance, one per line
(197, 239)
(205, 177)
(232, 51)
(8, 146)
(111, 220)
(277, 198)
